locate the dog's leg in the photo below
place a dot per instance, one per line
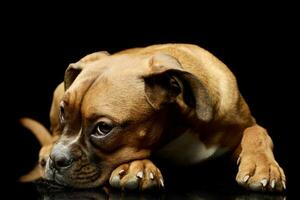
(258, 169)
(139, 174)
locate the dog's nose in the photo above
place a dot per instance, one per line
(60, 160)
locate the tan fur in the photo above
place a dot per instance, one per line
(144, 93)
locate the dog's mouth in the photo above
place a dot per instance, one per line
(45, 185)
(58, 178)
(73, 178)
(57, 185)
(52, 190)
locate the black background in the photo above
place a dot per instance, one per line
(258, 44)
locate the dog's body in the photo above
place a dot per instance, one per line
(176, 101)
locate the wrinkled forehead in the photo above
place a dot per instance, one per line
(113, 68)
(118, 90)
(115, 95)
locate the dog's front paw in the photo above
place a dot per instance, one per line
(137, 175)
(260, 172)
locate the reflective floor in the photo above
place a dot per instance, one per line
(197, 195)
(207, 192)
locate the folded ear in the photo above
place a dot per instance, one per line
(169, 83)
(74, 69)
(54, 111)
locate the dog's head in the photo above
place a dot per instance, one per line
(117, 109)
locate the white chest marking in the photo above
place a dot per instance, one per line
(187, 149)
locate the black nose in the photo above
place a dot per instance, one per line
(60, 160)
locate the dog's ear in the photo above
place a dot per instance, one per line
(74, 69)
(169, 83)
(71, 73)
(54, 111)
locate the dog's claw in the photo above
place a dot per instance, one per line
(121, 172)
(151, 176)
(273, 184)
(264, 182)
(140, 174)
(245, 179)
(283, 185)
(161, 182)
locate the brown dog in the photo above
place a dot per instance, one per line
(176, 101)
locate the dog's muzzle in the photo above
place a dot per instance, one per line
(68, 165)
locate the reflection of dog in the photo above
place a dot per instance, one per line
(176, 101)
(115, 194)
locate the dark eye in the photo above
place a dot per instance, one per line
(61, 113)
(103, 129)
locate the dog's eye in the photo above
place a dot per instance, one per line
(103, 129)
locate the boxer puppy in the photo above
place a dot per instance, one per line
(176, 101)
